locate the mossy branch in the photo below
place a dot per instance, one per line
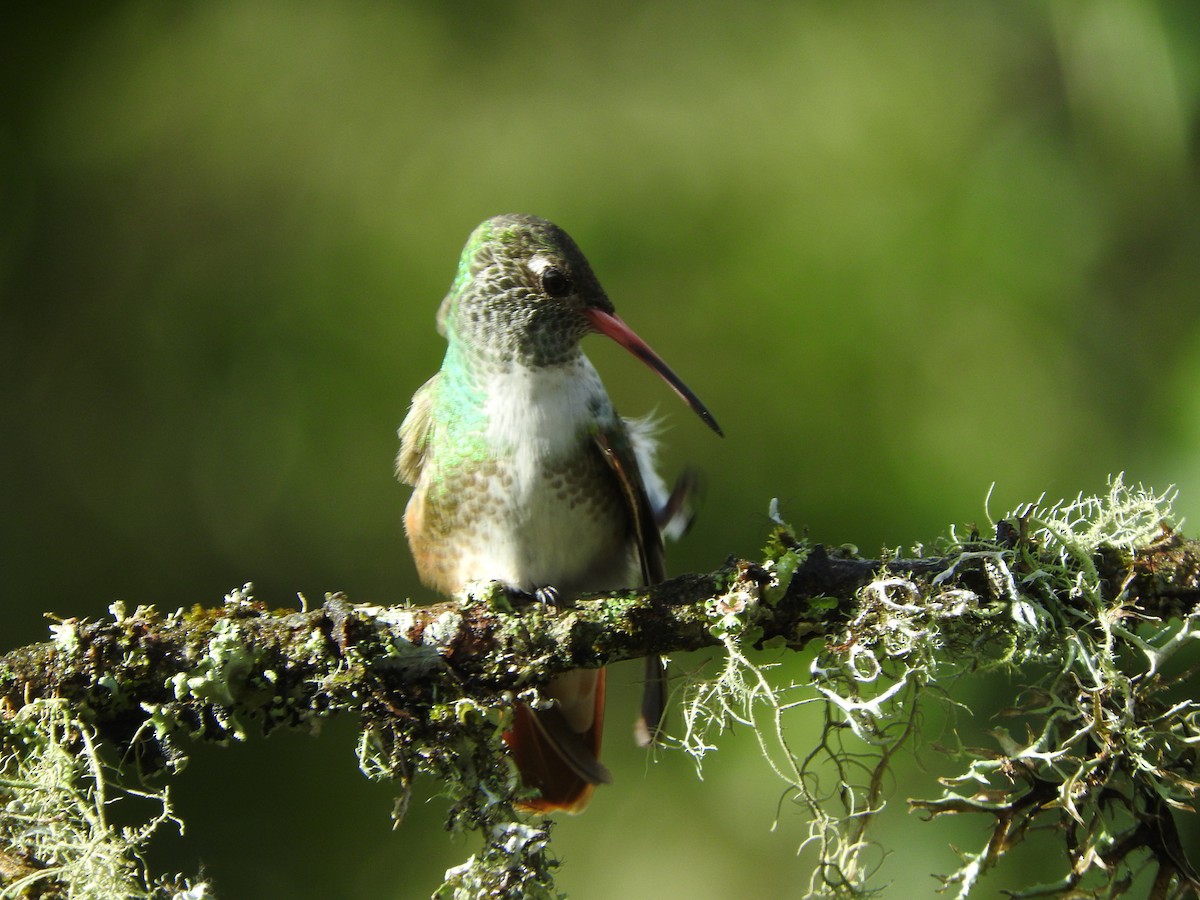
(1064, 587)
(213, 668)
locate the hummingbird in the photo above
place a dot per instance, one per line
(524, 474)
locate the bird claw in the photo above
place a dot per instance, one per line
(546, 595)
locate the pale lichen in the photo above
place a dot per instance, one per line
(55, 827)
(1109, 744)
(65, 634)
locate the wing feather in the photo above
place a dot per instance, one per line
(619, 452)
(415, 433)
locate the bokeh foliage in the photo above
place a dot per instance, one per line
(901, 250)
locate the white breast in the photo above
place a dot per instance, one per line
(536, 419)
(539, 414)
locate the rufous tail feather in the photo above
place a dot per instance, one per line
(562, 764)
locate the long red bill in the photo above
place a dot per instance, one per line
(610, 325)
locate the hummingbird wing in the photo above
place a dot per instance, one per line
(415, 433)
(618, 451)
(623, 459)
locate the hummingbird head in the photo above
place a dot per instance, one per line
(525, 295)
(522, 293)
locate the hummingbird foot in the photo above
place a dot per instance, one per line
(546, 595)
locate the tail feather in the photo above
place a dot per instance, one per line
(560, 762)
(647, 729)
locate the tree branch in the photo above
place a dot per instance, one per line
(227, 657)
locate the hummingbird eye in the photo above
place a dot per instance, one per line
(555, 282)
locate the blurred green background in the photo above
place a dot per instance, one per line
(903, 251)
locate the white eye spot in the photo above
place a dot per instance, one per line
(551, 277)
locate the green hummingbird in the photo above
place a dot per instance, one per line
(524, 474)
